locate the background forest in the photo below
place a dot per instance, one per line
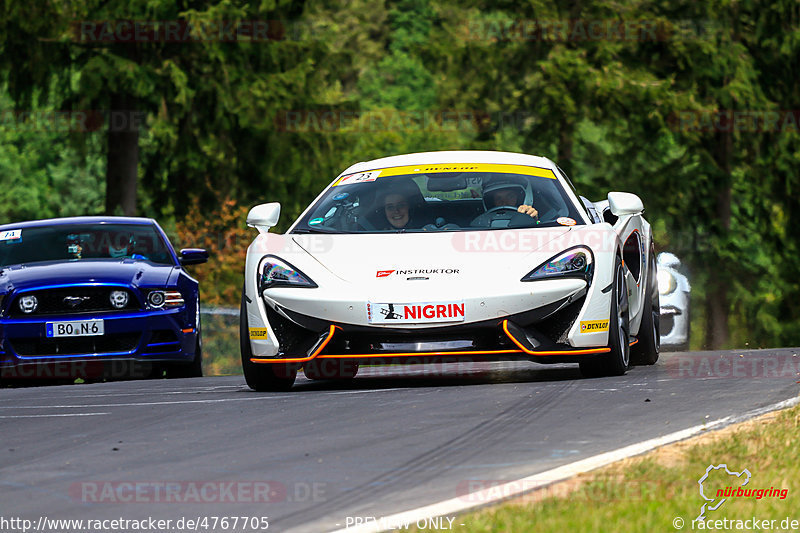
(191, 112)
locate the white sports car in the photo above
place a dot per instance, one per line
(675, 292)
(448, 256)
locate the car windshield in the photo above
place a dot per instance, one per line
(76, 242)
(437, 198)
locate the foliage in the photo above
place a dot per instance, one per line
(224, 234)
(41, 174)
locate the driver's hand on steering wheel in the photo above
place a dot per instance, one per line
(528, 210)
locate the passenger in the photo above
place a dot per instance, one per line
(395, 207)
(401, 205)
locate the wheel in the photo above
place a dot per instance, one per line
(615, 362)
(645, 352)
(336, 369)
(262, 377)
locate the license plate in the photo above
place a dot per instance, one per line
(426, 312)
(75, 328)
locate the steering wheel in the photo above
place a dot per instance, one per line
(499, 209)
(495, 214)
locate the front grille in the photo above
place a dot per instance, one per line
(385, 342)
(54, 301)
(35, 346)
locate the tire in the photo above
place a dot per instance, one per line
(335, 369)
(262, 377)
(645, 352)
(189, 370)
(615, 362)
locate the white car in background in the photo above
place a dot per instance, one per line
(674, 290)
(438, 257)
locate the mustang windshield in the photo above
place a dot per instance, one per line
(61, 242)
(434, 198)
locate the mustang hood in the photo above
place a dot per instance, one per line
(454, 256)
(125, 272)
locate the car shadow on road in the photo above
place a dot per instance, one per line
(449, 375)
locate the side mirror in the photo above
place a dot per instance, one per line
(192, 256)
(264, 216)
(625, 203)
(669, 260)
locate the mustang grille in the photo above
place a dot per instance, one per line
(84, 300)
(34, 346)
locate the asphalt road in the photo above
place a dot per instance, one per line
(395, 439)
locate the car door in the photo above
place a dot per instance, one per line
(631, 231)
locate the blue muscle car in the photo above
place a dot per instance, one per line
(94, 297)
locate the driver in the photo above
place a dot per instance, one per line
(120, 245)
(123, 245)
(507, 191)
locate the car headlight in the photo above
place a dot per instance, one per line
(576, 262)
(666, 282)
(28, 304)
(159, 299)
(274, 272)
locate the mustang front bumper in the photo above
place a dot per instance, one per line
(154, 336)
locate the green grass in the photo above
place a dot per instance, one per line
(647, 493)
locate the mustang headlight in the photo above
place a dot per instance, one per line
(576, 262)
(159, 299)
(274, 272)
(28, 304)
(666, 282)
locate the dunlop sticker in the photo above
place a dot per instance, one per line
(594, 325)
(258, 333)
(500, 168)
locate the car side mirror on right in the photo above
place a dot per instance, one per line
(625, 203)
(192, 256)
